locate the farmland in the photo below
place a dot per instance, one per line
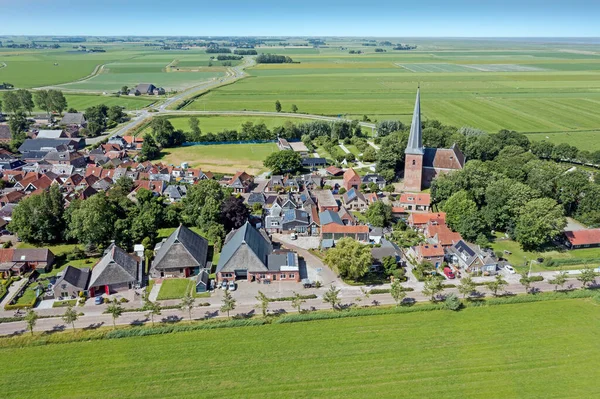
(224, 158)
(544, 349)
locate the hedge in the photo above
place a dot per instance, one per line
(536, 278)
(387, 290)
(291, 298)
(64, 304)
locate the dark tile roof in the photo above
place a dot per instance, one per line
(5, 132)
(76, 277)
(183, 248)
(73, 118)
(252, 239)
(116, 267)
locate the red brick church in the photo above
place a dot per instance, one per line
(421, 164)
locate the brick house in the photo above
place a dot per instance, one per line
(71, 283)
(582, 238)
(183, 254)
(433, 253)
(351, 179)
(335, 231)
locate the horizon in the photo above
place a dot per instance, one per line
(384, 18)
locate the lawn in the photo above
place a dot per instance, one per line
(224, 158)
(174, 288)
(536, 350)
(577, 258)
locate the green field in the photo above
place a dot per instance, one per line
(224, 158)
(83, 101)
(174, 288)
(536, 350)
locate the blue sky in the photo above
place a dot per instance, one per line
(385, 18)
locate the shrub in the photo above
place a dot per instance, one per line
(536, 278)
(289, 298)
(452, 302)
(62, 304)
(123, 300)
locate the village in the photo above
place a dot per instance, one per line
(279, 241)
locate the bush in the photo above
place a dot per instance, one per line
(289, 298)
(64, 304)
(123, 300)
(536, 278)
(387, 290)
(452, 302)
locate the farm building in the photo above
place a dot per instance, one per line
(582, 238)
(183, 254)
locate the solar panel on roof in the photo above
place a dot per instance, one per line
(290, 259)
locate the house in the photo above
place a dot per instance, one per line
(175, 193)
(440, 233)
(354, 200)
(471, 258)
(71, 283)
(73, 158)
(376, 235)
(256, 198)
(275, 183)
(432, 253)
(183, 254)
(314, 163)
(241, 182)
(420, 220)
(334, 171)
(51, 134)
(73, 119)
(351, 179)
(274, 219)
(414, 202)
(311, 182)
(329, 217)
(582, 238)
(386, 249)
(335, 231)
(11, 197)
(5, 135)
(8, 267)
(283, 144)
(296, 220)
(371, 198)
(291, 185)
(347, 218)
(289, 202)
(374, 178)
(244, 255)
(117, 271)
(326, 200)
(143, 88)
(36, 258)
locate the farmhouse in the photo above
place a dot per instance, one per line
(582, 238)
(183, 254)
(73, 119)
(421, 164)
(335, 231)
(117, 271)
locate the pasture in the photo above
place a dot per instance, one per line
(544, 349)
(222, 158)
(83, 101)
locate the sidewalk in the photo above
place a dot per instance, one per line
(12, 290)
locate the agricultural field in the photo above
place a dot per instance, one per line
(83, 101)
(222, 158)
(528, 87)
(544, 349)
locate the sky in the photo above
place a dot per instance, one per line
(381, 18)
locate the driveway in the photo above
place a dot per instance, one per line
(304, 242)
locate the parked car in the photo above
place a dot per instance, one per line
(509, 269)
(224, 285)
(231, 286)
(98, 300)
(449, 273)
(294, 236)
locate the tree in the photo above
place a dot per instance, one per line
(115, 310)
(539, 221)
(12, 103)
(153, 309)
(452, 302)
(26, 100)
(187, 303)
(526, 281)
(391, 155)
(294, 108)
(504, 198)
(332, 297)
(92, 221)
(39, 218)
(369, 154)
(466, 287)
(433, 286)
(42, 100)
(234, 213)
(195, 128)
(228, 303)
(462, 215)
(162, 131)
(57, 100)
(379, 214)
(297, 302)
(149, 149)
(389, 264)
(283, 162)
(124, 90)
(587, 276)
(31, 318)
(496, 285)
(202, 204)
(70, 316)
(263, 303)
(277, 106)
(350, 258)
(559, 280)
(115, 114)
(398, 292)
(96, 117)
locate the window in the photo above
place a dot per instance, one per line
(282, 275)
(292, 275)
(414, 162)
(261, 276)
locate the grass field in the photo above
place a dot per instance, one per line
(536, 350)
(225, 158)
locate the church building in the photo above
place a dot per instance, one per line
(422, 165)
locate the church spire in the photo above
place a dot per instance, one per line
(415, 140)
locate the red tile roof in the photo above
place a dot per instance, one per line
(583, 237)
(6, 254)
(417, 199)
(334, 171)
(341, 229)
(350, 174)
(445, 236)
(424, 218)
(430, 250)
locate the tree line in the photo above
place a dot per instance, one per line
(245, 52)
(273, 59)
(229, 57)
(112, 216)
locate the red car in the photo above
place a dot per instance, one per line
(449, 273)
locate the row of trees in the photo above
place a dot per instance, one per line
(273, 59)
(103, 218)
(102, 117)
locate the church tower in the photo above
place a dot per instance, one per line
(413, 163)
